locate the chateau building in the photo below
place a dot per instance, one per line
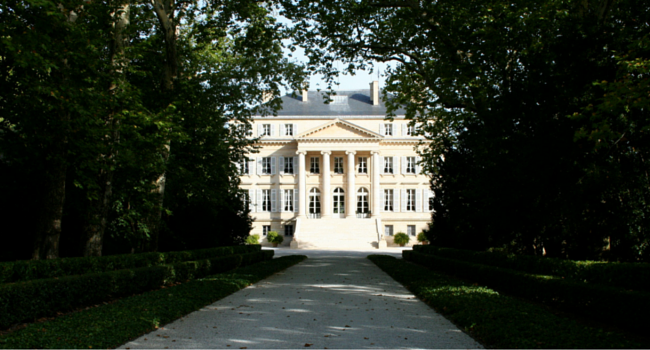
(336, 175)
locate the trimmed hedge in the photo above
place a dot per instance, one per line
(111, 325)
(495, 320)
(632, 276)
(26, 301)
(608, 304)
(26, 270)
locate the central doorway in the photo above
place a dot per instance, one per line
(338, 204)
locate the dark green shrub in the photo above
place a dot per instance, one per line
(253, 239)
(608, 304)
(631, 276)
(401, 238)
(274, 237)
(26, 270)
(26, 301)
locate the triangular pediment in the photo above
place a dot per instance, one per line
(339, 129)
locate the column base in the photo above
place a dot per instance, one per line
(294, 244)
(381, 245)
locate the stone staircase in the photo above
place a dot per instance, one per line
(348, 233)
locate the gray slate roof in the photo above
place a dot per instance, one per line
(345, 103)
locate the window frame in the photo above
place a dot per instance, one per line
(389, 200)
(289, 232)
(389, 230)
(314, 161)
(289, 167)
(362, 166)
(287, 196)
(411, 165)
(266, 130)
(388, 129)
(338, 166)
(389, 167)
(267, 169)
(410, 230)
(288, 129)
(266, 200)
(410, 200)
(265, 230)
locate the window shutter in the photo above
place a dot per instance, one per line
(396, 200)
(238, 165)
(259, 201)
(295, 130)
(274, 194)
(382, 164)
(282, 200)
(273, 169)
(417, 164)
(403, 163)
(404, 200)
(259, 166)
(404, 127)
(281, 161)
(382, 129)
(251, 166)
(295, 200)
(418, 200)
(382, 202)
(296, 166)
(259, 129)
(251, 200)
(272, 130)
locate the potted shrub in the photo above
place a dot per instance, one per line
(401, 238)
(274, 238)
(253, 239)
(422, 238)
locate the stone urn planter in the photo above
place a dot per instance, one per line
(275, 244)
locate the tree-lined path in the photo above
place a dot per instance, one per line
(334, 299)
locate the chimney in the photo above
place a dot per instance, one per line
(374, 92)
(305, 93)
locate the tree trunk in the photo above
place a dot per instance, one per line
(98, 211)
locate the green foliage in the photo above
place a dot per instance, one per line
(253, 239)
(38, 269)
(110, 325)
(630, 276)
(607, 304)
(422, 237)
(494, 319)
(534, 113)
(401, 238)
(274, 237)
(26, 301)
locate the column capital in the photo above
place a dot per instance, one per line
(374, 152)
(326, 152)
(301, 152)
(351, 152)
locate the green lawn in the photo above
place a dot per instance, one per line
(495, 320)
(110, 325)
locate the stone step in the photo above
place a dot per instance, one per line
(334, 232)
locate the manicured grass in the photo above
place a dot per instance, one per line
(111, 325)
(495, 320)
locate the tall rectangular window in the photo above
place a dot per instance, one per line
(410, 200)
(363, 165)
(266, 229)
(314, 166)
(288, 129)
(410, 130)
(266, 200)
(388, 165)
(243, 165)
(266, 130)
(410, 165)
(266, 165)
(430, 203)
(288, 230)
(288, 201)
(388, 230)
(338, 165)
(288, 165)
(410, 230)
(388, 200)
(388, 129)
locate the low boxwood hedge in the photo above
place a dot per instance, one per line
(608, 304)
(27, 301)
(25, 270)
(632, 276)
(111, 325)
(496, 320)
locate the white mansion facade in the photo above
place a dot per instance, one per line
(336, 175)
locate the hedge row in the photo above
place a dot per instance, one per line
(27, 270)
(27, 301)
(608, 304)
(111, 325)
(496, 320)
(632, 276)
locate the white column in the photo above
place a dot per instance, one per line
(376, 205)
(302, 184)
(351, 195)
(326, 195)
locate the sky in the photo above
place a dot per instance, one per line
(359, 81)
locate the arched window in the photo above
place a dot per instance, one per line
(362, 202)
(339, 201)
(314, 203)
